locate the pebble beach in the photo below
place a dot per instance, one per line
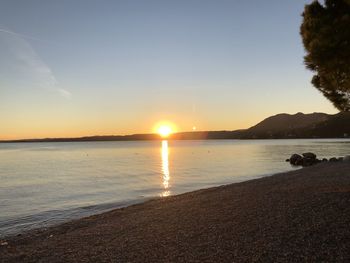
(298, 216)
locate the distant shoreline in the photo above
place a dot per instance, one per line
(297, 215)
(280, 126)
(185, 136)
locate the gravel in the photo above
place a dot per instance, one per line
(298, 216)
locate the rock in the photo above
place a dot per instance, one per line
(309, 155)
(309, 158)
(4, 243)
(308, 161)
(299, 162)
(295, 158)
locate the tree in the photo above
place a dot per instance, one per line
(325, 32)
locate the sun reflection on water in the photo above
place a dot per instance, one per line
(165, 168)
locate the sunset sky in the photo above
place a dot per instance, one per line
(76, 68)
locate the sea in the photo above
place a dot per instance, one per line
(43, 184)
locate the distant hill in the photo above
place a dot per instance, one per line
(280, 126)
(288, 126)
(285, 121)
(284, 126)
(335, 126)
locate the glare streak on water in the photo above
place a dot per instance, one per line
(47, 183)
(165, 169)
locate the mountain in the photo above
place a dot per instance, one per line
(285, 121)
(314, 125)
(334, 127)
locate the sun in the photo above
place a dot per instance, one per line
(164, 130)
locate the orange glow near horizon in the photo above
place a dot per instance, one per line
(47, 126)
(50, 125)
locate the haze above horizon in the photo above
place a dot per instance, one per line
(80, 68)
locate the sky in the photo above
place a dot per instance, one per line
(99, 67)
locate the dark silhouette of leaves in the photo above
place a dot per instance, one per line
(325, 32)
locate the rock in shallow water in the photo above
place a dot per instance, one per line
(309, 158)
(309, 155)
(295, 158)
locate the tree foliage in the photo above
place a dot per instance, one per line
(325, 32)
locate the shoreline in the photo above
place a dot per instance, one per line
(66, 216)
(98, 209)
(278, 217)
(106, 207)
(94, 210)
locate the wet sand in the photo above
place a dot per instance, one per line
(302, 215)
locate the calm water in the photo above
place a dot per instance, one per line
(47, 183)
